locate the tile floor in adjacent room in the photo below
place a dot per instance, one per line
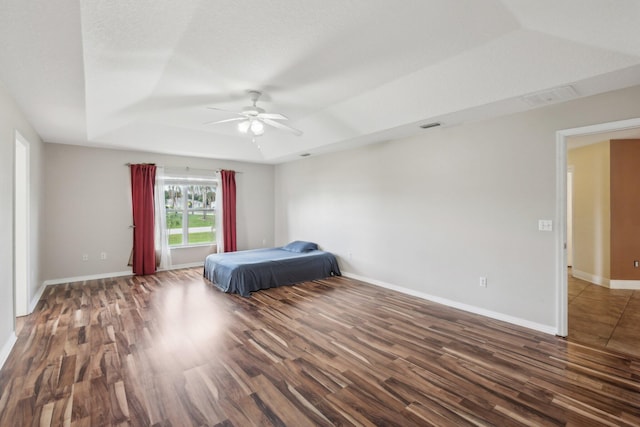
(603, 317)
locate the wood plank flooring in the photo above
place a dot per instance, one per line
(172, 350)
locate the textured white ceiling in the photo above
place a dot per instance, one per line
(139, 75)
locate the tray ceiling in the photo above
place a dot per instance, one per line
(139, 75)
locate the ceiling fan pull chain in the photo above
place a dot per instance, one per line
(253, 139)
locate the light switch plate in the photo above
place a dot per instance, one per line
(545, 225)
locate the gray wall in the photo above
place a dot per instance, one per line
(12, 120)
(435, 212)
(88, 201)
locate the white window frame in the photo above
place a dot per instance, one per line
(184, 182)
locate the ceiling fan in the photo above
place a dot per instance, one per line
(253, 118)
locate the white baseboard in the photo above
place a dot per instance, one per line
(625, 284)
(188, 265)
(591, 278)
(109, 275)
(6, 348)
(607, 283)
(36, 297)
(461, 306)
(89, 277)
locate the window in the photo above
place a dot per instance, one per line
(190, 211)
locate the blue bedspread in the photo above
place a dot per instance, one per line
(243, 272)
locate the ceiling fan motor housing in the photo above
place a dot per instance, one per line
(252, 111)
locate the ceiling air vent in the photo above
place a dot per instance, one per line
(430, 125)
(550, 96)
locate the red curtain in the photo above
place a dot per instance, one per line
(143, 178)
(229, 210)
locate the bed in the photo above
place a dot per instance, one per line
(244, 272)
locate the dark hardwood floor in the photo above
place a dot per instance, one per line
(172, 350)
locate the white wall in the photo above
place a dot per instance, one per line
(591, 212)
(88, 206)
(433, 213)
(12, 120)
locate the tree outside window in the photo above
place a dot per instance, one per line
(190, 213)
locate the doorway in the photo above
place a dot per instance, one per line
(562, 307)
(569, 216)
(21, 217)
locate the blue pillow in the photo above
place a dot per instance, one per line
(300, 246)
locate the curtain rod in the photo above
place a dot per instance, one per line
(187, 168)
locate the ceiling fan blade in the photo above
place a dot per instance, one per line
(226, 111)
(171, 101)
(272, 116)
(281, 126)
(235, 119)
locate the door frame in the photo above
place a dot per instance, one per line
(562, 304)
(21, 226)
(569, 215)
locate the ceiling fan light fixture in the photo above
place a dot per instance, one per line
(253, 120)
(243, 127)
(257, 128)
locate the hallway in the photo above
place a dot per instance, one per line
(603, 317)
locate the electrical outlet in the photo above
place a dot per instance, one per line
(483, 282)
(636, 264)
(103, 255)
(85, 257)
